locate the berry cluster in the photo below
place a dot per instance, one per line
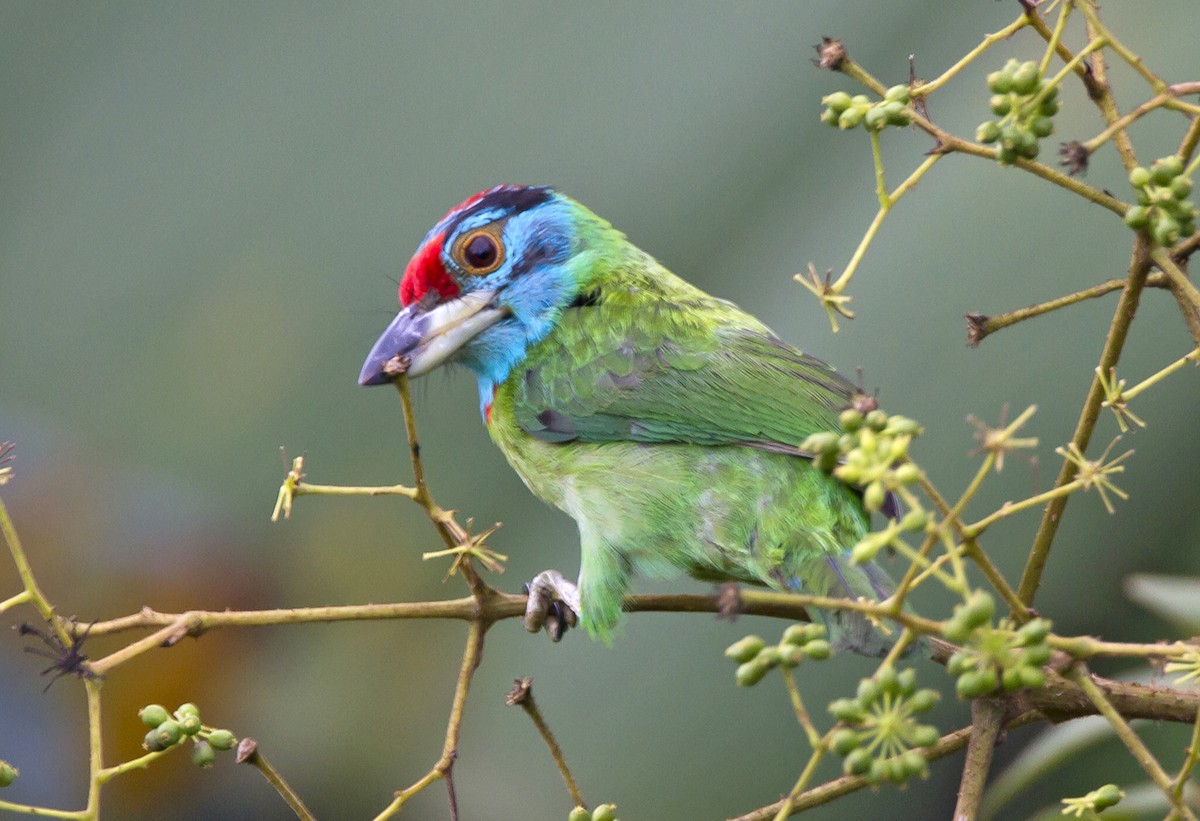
(1025, 106)
(846, 112)
(604, 812)
(883, 732)
(871, 453)
(1163, 205)
(167, 730)
(755, 659)
(992, 657)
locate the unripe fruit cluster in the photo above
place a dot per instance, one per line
(1025, 107)
(1163, 205)
(872, 453)
(756, 659)
(881, 717)
(604, 812)
(168, 729)
(845, 112)
(993, 658)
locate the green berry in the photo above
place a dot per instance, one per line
(190, 724)
(924, 736)
(897, 113)
(1026, 145)
(745, 649)
(1000, 104)
(897, 770)
(8, 773)
(922, 701)
(818, 650)
(1034, 632)
(1106, 796)
(1137, 217)
(907, 473)
(876, 420)
(752, 671)
(153, 714)
(605, 812)
(999, 82)
(915, 763)
(858, 762)
(851, 419)
(888, 680)
(898, 94)
(1037, 654)
(1181, 187)
(878, 771)
(874, 496)
(163, 736)
(848, 710)
(222, 740)
(959, 663)
(843, 741)
(1164, 170)
(1165, 231)
(1041, 126)
(1049, 106)
(869, 690)
(1026, 78)
(580, 814)
(1032, 677)
(1011, 679)
(203, 754)
(988, 132)
(187, 709)
(790, 655)
(850, 118)
(979, 608)
(907, 680)
(914, 520)
(838, 101)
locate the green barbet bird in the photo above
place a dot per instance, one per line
(665, 421)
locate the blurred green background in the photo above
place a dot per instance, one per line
(203, 209)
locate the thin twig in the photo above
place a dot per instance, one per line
(522, 695)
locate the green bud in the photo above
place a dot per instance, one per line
(1049, 106)
(1181, 187)
(850, 118)
(869, 690)
(957, 629)
(988, 680)
(190, 724)
(914, 520)
(605, 812)
(876, 493)
(897, 769)
(163, 736)
(1000, 104)
(1026, 78)
(203, 754)
(1032, 677)
(1107, 796)
(888, 680)
(851, 419)
(1137, 217)
(1165, 231)
(580, 814)
(830, 116)
(861, 100)
(924, 736)
(907, 473)
(1163, 171)
(878, 771)
(922, 701)
(796, 634)
(1184, 211)
(1034, 632)
(969, 685)
(222, 740)
(907, 681)
(876, 420)
(897, 113)
(8, 773)
(979, 608)
(790, 655)
(187, 709)
(1005, 155)
(858, 762)
(752, 672)
(960, 662)
(902, 426)
(843, 741)
(898, 94)
(1160, 195)
(1041, 126)
(838, 101)
(987, 132)
(153, 714)
(915, 763)
(1011, 679)
(848, 710)
(999, 82)
(1026, 145)
(818, 650)
(1037, 654)
(745, 649)
(875, 119)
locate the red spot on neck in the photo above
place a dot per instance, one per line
(425, 272)
(487, 409)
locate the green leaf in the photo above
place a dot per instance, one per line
(1175, 598)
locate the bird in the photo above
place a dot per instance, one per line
(667, 422)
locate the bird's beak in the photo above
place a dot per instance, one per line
(419, 339)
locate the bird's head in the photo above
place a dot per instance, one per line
(489, 280)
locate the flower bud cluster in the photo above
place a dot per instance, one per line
(994, 657)
(846, 112)
(755, 658)
(1163, 205)
(168, 729)
(1025, 106)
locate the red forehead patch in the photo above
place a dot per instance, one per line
(426, 273)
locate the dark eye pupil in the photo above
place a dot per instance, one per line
(480, 251)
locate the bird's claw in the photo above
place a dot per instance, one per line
(553, 604)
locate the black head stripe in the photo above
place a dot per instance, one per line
(505, 199)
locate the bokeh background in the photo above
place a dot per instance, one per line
(203, 209)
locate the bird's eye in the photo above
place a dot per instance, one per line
(481, 253)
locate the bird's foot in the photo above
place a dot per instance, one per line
(553, 604)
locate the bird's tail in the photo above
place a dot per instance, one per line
(838, 577)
